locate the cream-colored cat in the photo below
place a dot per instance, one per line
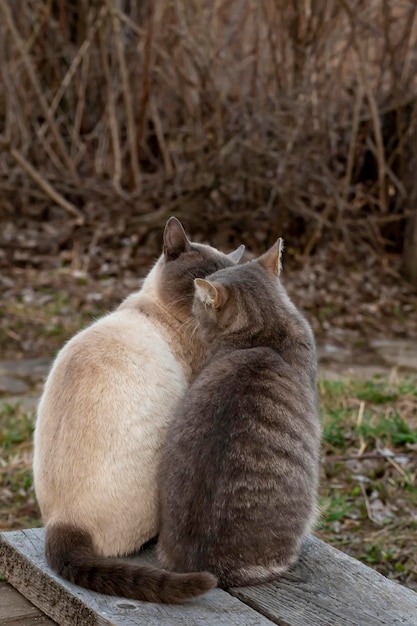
(102, 420)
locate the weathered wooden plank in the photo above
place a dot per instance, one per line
(329, 588)
(15, 610)
(326, 588)
(22, 561)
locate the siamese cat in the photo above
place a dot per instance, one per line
(239, 471)
(101, 423)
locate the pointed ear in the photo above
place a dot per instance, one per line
(209, 293)
(237, 254)
(175, 239)
(271, 260)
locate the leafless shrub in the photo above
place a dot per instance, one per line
(269, 116)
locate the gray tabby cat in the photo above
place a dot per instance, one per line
(239, 472)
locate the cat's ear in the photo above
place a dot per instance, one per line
(209, 293)
(237, 254)
(175, 239)
(271, 260)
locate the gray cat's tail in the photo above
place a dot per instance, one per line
(70, 552)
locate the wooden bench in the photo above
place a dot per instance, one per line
(325, 588)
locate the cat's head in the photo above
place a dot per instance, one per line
(240, 301)
(183, 261)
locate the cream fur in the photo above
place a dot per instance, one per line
(102, 419)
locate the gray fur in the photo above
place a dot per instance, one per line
(239, 472)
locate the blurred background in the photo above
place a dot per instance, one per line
(248, 120)
(245, 119)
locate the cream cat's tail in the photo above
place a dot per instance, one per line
(70, 552)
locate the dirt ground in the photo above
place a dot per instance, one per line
(54, 280)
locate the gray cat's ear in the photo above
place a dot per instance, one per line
(237, 254)
(271, 260)
(175, 239)
(209, 293)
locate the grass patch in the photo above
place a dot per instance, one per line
(368, 488)
(18, 508)
(16, 425)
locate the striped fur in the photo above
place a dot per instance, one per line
(239, 474)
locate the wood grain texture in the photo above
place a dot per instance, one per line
(325, 588)
(15, 610)
(329, 588)
(22, 561)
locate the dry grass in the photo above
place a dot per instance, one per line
(267, 115)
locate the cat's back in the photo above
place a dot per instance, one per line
(245, 444)
(246, 400)
(120, 350)
(104, 409)
(246, 377)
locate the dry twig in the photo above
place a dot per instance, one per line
(46, 186)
